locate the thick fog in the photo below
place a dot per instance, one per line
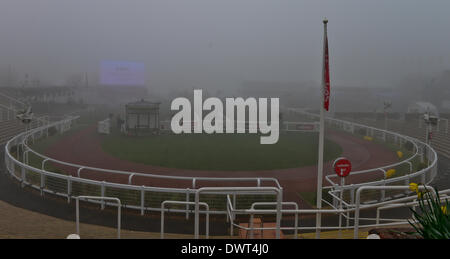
(219, 44)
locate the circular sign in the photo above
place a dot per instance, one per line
(342, 166)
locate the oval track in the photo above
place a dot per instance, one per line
(85, 149)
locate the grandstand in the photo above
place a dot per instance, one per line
(10, 125)
(13, 101)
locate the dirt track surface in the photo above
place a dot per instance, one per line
(84, 148)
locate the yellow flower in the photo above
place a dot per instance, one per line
(368, 138)
(414, 187)
(390, 173)
(419, 194)
(399, 154)
(444, 209)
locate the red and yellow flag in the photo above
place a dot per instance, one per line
(326, 72)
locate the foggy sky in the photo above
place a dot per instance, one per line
(220, 43)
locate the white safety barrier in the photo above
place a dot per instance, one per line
(77, 213)
(17, 152)
(67, 182)
(163, 208)
(405, 202)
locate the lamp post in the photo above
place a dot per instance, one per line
(387, 105)
(430, 120)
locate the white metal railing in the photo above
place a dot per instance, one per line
(227, 190)
(14, 106)
(163, 204)
(288, 203)
(257, 180)
(443, 197)
(363, 188)
(11, 105)
(421, 151)
(20, 141)
(410, 201)
(87, 198)
(21, 170)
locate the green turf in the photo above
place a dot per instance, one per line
(220, 151)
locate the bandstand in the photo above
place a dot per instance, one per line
(142, 117)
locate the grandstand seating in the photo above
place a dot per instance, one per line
(9, 125)
(11, 128)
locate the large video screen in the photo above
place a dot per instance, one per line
(122, 73)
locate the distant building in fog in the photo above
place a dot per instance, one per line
(361, 99)
(291, 94)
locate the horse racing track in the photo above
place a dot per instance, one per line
(298, 179)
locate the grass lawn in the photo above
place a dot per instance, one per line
(230, 152)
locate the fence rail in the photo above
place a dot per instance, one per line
(421, 153)
(18, 156)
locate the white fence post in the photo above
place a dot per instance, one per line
(23, 177)
(42, 184)
(187, 204)
(69, 188)
(196, 220)
(102, 190)
(119, 209)
(279, 215)
(142, 199)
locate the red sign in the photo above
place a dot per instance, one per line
(342, 167)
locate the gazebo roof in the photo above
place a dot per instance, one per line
(423, 107)
(142, 104)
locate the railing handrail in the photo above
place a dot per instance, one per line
(46, 158)
(163, 204)
(160, 176)
(12, 162)
(13, 99)
(102, 198)
(170, 177)
(410, 139)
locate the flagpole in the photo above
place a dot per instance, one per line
(321, 139)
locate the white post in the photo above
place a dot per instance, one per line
(430, 130)
(321, 140)
(385, 120)
(320, 173)
(102, 190)
(279, 215)
(340, 205)
(196, 219)
(187, 205)
(77, 215)
(142, 199)
(69, 188)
